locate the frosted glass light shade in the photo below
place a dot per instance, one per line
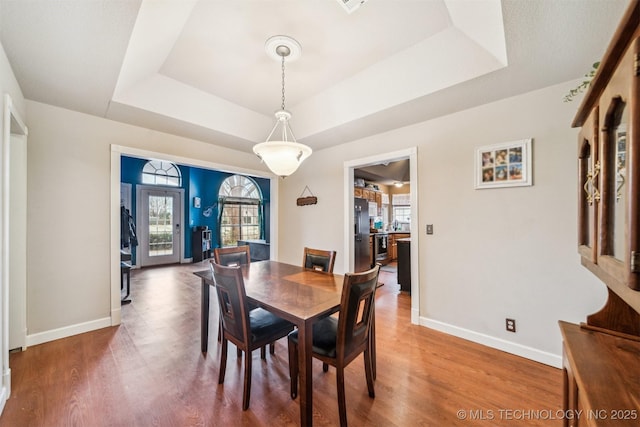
(282, 157)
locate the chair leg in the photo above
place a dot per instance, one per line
(238, 353)
(342, 406)
(369, 372)
(246, 395)
(272, 348)
(220, 329)
(325, 367)
(263, 352)
(223, 361)
(293, 367)
(372, 343)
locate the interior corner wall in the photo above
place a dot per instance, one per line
(69, 185)
(495, 253)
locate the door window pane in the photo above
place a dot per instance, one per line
(160, 225)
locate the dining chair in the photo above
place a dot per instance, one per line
(232, 255)
(318, 259)
(337, 342)
(247, 329)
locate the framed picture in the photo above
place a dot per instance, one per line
(503, 165)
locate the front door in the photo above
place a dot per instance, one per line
(160, 225)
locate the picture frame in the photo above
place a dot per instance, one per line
(507, 164)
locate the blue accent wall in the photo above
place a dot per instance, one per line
(197, 182)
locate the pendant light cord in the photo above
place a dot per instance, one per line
(283, 81)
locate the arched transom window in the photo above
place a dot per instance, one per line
(240, 202)
(158, 172)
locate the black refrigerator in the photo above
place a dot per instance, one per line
(361, 235)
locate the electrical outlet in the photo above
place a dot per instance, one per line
(510, 325)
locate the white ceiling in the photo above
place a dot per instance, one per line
(198, 68)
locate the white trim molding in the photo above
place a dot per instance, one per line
(67, 331)
(493, 342)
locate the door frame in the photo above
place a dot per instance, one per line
(13, 125)
(117, 151)
(142, 225)
(349, 166)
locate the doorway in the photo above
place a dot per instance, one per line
(349, 167)
(13, 263)
(159, 225)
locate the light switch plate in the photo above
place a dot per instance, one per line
(429, 228)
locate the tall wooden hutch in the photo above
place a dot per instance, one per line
(601, 357)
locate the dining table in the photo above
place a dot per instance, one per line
(296, 294)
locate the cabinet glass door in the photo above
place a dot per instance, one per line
(589, 196)
(615, 151)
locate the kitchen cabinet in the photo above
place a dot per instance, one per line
(368, 194)
(601, 356)
(393, 244)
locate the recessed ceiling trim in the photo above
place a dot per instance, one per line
(158, 26)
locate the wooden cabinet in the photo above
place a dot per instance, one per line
(609, 170)
(368, 194)
(598, 376)
(393, 244)
(601, 357)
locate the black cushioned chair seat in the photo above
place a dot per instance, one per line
(263, 324)
(325, 334)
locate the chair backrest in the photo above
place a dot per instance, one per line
(232, 300)
(319, 260)
(232, 256)
(356, 310)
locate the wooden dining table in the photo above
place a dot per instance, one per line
(293, 293)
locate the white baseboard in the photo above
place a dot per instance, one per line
(116, 316)
(493, 342)
(67, 331)
(4, 393)
(415, 316)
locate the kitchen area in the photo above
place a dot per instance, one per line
(382, 219)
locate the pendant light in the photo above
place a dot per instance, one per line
(282, 154)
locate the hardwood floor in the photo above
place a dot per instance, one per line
(149, 372)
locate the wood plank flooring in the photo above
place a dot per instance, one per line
(149, 372)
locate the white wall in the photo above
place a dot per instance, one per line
(495, 253)
(69, 186)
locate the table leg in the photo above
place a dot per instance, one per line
(305, 391)
(204, 318)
